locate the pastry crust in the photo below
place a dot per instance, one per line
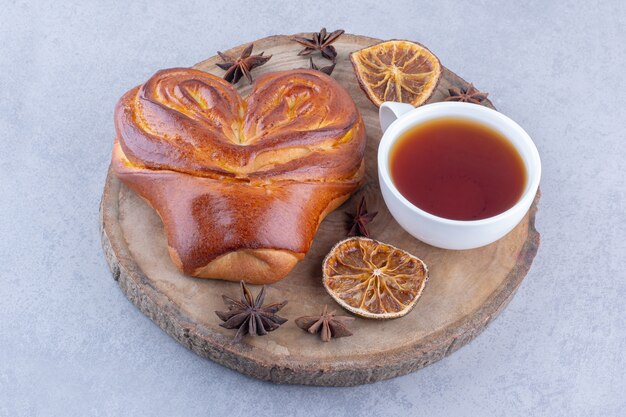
(240, 185)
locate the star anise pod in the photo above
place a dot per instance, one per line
(328, 325)
(321, 41)
(237, 67)
(249, 315)
(326, 70)
(360, 219)
(466, 94)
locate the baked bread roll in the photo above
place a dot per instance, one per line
(241, 185)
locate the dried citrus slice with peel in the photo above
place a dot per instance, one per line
(401, 71)
(372, 279)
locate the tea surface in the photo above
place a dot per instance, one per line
(457, 169)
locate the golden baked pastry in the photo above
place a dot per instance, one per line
(240, 184)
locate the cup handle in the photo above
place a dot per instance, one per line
(390, 111)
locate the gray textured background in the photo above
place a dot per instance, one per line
(72, 345)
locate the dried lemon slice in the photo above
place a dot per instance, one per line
(401, 71)
(373, 279)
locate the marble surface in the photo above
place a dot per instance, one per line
(72, 345)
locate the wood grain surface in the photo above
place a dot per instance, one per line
(466, 289)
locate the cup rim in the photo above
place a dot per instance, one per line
(439, 110)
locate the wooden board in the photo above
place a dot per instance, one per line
(466, 290)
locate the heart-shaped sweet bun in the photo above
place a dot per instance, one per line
(241, 185)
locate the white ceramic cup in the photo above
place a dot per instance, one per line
(397, 118)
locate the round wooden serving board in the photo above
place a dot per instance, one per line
(466, 289)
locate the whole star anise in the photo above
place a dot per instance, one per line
(326, 70)
(249, 315)
(467, 94)
(360, 219)
(328, 325)
(237, 67)
(321, 41)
